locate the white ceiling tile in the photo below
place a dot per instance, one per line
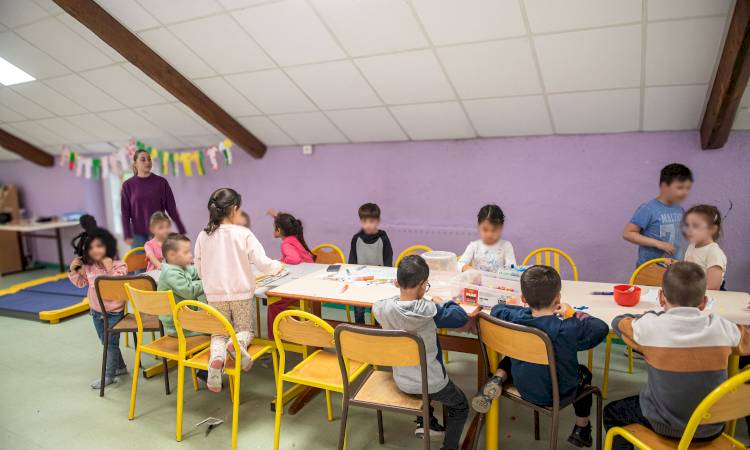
(164, 142)
(130, 122)
(34, 133)
(171, 120)
(9, 115)
(169, 11)
(368, 27)
(98, 127)
(90, 37)
(745, 101)
(334, 85)
(491, 69)
(265, 130)
(368, 125)
(742, 119)
(671, 9)
(63, 44)
(203, 140)
(673, 107)
(29, 58)
(407, 77)
(99, 147)
(71, 133)
(123, 86)
(20, 12)
(22, 105)
(50, 6)
(48, 98)
(176, 53)
(225, 46)
(457, 21)
(516, 116)
(594, 59)
(309, 128)
(218, 90)
(554, 15)
(683, 51)
(7, 155)
(271, 91)
(84, 93)
(145, 79)
(129, 13)
(596, 112)
(434, 121)
(208, 128)
(290, 32)
(237, 4)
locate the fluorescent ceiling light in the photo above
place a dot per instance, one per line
(10, 74)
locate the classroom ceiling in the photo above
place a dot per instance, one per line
(334, 71)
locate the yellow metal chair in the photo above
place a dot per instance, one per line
(210, 321)
(413, 250)
(331, 254)
(136, 261)
(157, 303)
(727, 402)
(319, 370)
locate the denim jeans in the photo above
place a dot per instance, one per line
(139, 240)
(114, 357)
(359, 314)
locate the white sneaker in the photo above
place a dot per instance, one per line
(97, 384)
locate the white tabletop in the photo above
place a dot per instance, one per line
(36, 226)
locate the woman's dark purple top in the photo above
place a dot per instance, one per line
(142, 197)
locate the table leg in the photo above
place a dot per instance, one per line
(303, 399)
(59, 250)
(21, 253)
(493, 416)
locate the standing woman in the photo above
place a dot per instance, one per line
(142, 195)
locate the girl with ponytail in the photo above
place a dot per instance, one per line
(224, 257)
(294, 250)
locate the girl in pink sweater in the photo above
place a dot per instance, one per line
(294, 251)
(224, 256)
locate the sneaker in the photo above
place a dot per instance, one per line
(437, 431)
(246, 363)
(493, 387)
(97, 384)
(213, 379)
(202, 375)
(481, 403)
(581, 436)
(121, 371)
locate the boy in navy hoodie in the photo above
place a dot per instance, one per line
(410, 311)
(540, 289)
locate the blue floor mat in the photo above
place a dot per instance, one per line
(59, 287)
(33, 302)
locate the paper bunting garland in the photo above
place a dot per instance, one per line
(187, 163)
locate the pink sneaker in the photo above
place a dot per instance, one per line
(213, 381)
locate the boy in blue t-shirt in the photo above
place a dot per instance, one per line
(656, 225)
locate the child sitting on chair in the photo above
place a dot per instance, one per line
(410, 311)
(686, 351)
(98, 250)
(224, 257)
(160, 226)
(540, 289)
(178, 274)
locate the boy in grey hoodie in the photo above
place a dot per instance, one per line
(410, 311)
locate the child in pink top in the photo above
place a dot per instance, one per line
(224, 256)
(294, 251)
(160, 226)
(98, 249)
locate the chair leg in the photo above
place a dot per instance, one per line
(372, 318)
(536, 425)
(133, 390)
(553, 431)
(195, 379)
(426, 422)
(104, 363)
(591, 360)
(630, 360)
(278, 409)
(231, 387)
(329, 407)
(445, 352)
(348, 313)
(235, 409)
(275, 361)
(381, 437)
(342, 427)
(605, 377)
(166, 375)
(257, 317)
(180, 399)
(599, 414)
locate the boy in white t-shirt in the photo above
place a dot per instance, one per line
(490, 253)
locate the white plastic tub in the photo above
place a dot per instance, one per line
(484, 288)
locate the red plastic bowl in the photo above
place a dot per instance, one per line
(625, 297)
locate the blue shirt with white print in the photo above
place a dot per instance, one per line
(662, 222)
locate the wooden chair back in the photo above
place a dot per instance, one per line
(729, 401)
(650, 273)
(205, 320)
(328, 254)
(113, 288)
(303, 328)
(413, 250)
(516, 341)
(550, 256)
(150, 302)
(378, 347)
(135, 259)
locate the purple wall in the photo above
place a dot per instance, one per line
(571, 192)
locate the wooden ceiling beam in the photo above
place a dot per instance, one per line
(101, 23)
(25, 150)
(730, 82)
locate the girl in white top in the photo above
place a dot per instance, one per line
(702, 227)
(490, 253)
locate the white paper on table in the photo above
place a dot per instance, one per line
(378, 273)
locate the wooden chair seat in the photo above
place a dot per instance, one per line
(168, 346)
(128, 323)
(658, 442)
(511, 392)
(200, 361)
(320, 368)
(380, 389)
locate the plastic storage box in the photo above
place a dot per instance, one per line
(440, 261)
(486, 289)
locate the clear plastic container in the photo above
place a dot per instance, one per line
(486, 289)
(440, 261)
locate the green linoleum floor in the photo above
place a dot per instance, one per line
(46, 401)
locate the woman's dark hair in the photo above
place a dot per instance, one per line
(91, 232)
(135, 158)
(289, 226)
(491, 213)
(711, 215)
(220, 205)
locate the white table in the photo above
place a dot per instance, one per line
(31, 230)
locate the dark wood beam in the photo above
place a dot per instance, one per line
(98, 20)
(25, 150)
(730, 82)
